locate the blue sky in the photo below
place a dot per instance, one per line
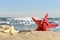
(29, 8)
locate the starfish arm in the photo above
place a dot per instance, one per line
(54, 25)
(36, 21)
(49, 25)
(46, 17)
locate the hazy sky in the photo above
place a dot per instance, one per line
(29, 8)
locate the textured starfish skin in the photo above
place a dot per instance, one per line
(43, 25)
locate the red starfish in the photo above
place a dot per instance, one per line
(43, 25)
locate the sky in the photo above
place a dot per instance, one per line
(29, 8)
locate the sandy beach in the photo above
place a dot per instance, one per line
(33, 35)
(27, 35)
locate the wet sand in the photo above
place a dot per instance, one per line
(33, 35)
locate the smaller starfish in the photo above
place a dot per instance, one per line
(43, 25)
(9, 29)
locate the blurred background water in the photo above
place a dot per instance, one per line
(26, 23)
